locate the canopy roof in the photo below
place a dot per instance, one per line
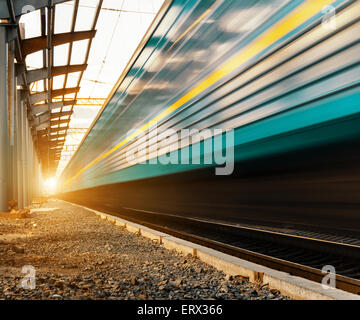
(70, 54)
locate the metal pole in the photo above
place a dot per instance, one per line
(19, 106)
(36, 181)
(31, 166)
(4, 138)
(23, 152)
(26, 158)
(15, 150)
(11, 122)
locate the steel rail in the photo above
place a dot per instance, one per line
(342, 282)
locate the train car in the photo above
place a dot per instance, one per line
(268, 88)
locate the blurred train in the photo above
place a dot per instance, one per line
(282, 75)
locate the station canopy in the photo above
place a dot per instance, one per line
(73, 53)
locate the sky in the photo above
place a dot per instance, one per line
(120, 28)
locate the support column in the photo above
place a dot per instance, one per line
(40, 181)
(14, 155)
(35, 176)
(4, 138)
(26, 158)
(23, 152)
(30, 166)
(19, 176)
(11, 121)
(38, 177)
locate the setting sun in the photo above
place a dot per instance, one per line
(50, 185)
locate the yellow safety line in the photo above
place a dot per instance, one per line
(302, 13)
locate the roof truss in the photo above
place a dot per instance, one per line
(47, 127)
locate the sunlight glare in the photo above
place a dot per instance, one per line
(50, 185)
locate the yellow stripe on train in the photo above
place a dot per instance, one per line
(288, 23)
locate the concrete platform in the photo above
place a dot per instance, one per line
(292, 286)
(74, 254)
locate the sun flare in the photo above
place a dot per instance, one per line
(50, 185)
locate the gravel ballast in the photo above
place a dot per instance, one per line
(76, 255)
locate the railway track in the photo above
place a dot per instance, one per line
(295, 254)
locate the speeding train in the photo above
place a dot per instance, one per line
(279, 78)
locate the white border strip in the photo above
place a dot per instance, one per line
(292, 286)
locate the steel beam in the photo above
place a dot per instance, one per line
(56, 143)
(52, 147)
(11, 87)
(72, 29)
(19, 111)
(24, 6)
(4, 143)
(42, 73)
(59, 122)
(47, 116)
(50, 48)
(24, 139)
(54, 137)
(19, 69)
(54, 130)
(40, 119)
(41, 108)
(22, 154)
(28, 158)
(41, 96)
(61, 114)
(44, 123)
(90, 101)
(56, 149)
(95, 20)
(32, 45)
(18, 53)
(42, 126)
